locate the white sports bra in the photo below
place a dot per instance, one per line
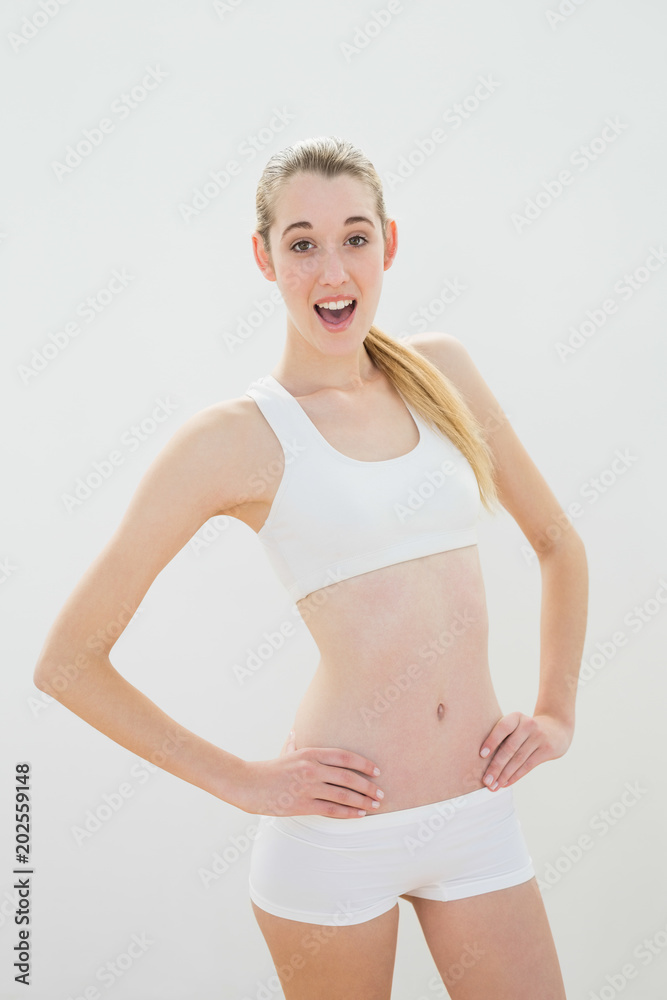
(334, 517)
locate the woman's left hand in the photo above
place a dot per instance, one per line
(521, 742)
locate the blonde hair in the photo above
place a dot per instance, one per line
(422, 385)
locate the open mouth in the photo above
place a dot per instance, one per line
(336, 318)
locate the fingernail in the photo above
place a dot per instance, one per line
(485, 752)
(488, 780)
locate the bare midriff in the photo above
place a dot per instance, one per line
(403, 676)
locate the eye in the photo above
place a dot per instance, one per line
(358, 236)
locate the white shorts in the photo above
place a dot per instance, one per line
(328, 870)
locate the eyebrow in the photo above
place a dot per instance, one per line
(307, 225)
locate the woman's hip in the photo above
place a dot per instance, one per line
(329, 870)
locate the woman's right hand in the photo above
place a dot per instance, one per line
(321, 781)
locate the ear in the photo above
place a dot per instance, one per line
(262, 257)
(392, 243)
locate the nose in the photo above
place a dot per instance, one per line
(332, 269)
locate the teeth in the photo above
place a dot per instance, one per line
(335, 305)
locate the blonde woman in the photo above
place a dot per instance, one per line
(396, 780)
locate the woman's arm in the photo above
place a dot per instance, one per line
(205, 469)
(563, 618)
(198, 474)
(524, 493)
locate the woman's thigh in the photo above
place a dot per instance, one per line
(496, 944)
(322, 962)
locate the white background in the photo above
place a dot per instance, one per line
(170, 335)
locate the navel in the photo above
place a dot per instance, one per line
(441, 710)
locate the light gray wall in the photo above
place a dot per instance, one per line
(220, 72)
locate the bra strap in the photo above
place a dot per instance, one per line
(283, 420)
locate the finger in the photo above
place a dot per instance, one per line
(289, 743)
(348, 759)
(346, 778)
(339, 811)
(343, 786)
(500, 731)
(527, 728)
(343, 794)
(331, 780)
(503, 768)
(531, 762)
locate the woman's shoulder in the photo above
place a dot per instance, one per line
(448, 354)
(434, 345)
(236, 420)
(451, 357)
(233, 442)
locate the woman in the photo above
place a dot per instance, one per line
(386, 453)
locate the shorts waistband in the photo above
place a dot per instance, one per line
(396, 817)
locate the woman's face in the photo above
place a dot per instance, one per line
(326, 245)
